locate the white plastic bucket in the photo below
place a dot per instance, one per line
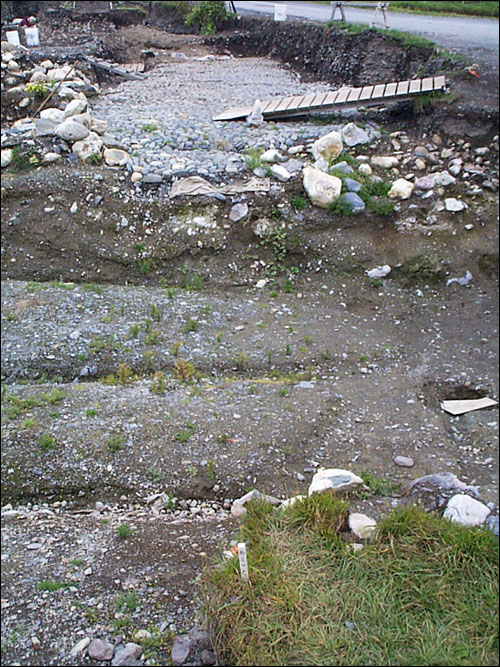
(280, 12)
(13, 37)
(32, 36)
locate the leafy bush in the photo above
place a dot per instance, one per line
(205, 16)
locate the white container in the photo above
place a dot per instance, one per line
(13, 37)
(280, 12)
(32, 36)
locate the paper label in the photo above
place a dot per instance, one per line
(242, 555)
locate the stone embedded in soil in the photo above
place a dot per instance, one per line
(401, 189)
(361, 525)
(181, 646)
(71, 130)
(322, 189)
(238, 212)
(80, 646)
(353, 201)
(100, 649)
(353, 135)
(328, 147)
(466, 510)
(454, 205)
(124, 655)
(404, 461)
(334, 479)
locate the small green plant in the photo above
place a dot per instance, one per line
(128, 600)
(153, 337)
(252, 158)
(185, 433)
(283, 391)
(52, 586)
(115, 444)
(121, 624)
(134, 330)
(191, 326)
(158, 384)
(148, 358)
(288, 349)
(38, 88)
(377, 485)
(186, 372)
(24, 159)
(28, 423)
(363, 357)
(195, 283)
(144, 266)
(211, 469)
(149, 127)
(77, 562)
(174, 350)
(46, 442)
(123, 531)
(171, 292)
(154, 313)
(298, 202)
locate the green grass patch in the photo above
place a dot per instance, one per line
(424, 591)
(488, 9)
(52, 586)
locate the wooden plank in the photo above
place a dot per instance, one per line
(390, 89)
(342, 96)
(402, 88)
(295, 102)
(273, 105)
(366, 92)
(427, 84)
(439, 82)
(233, 113)
(306, 102)
(284, 103)
(318, 100)
(415, 86)
(265, 104)
(378, 91)
(354, 95)
(330, 98)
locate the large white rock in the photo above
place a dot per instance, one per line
(322, 189)
(88, 147)
(271, 155)
(280, 173)
(328, 147)
(466, 510)
(6, 156)
(38, 75)
(53, 114)
(115, 157)
(98, 125)
(353, 135)
(443, 178)
(75, 107)
(365, 169)
(401, 189)
(48, 158)
(452, 204)
(334, 479)
(361, 525)
(386, 162)
(58, 73)
(84, 119)
(71, 130)
(13, 66)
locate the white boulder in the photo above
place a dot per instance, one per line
(88, 147)
(455, 205)
(361, 525)
(75, 107)
(328, 147)
(353, 135)
(71, 130)
(98, 125)
(48, 158)
(466, 510)
(115, 157)
(401, 189)
(334, 479)
(53, 114)
(443, 178)
(6, 157)
(379, 271)
(365, 169)
(322, 189)
(271, 155)
(238, 507)
(280, 173)
(386, 162)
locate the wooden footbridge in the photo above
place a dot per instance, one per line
(346, 97)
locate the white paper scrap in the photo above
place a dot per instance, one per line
(463, 406)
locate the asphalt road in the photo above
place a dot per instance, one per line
(476, 37)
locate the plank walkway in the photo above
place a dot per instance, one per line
(128, 70)
(363, 96)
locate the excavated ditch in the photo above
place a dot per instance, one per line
(141, 359)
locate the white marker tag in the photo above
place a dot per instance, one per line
(242, 555)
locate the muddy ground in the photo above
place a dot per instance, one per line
(138, 362)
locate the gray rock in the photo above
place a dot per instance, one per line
(71, 130)
(353, 135)
(343, 168)
(126, 654)
(433, 491)
(353, 201)
(404, 461)
(152, 178)
(352, 185)
(180, 649)
(425, 183)
(334, 479)
(238, 212)
(100, 649)
(492, 523)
